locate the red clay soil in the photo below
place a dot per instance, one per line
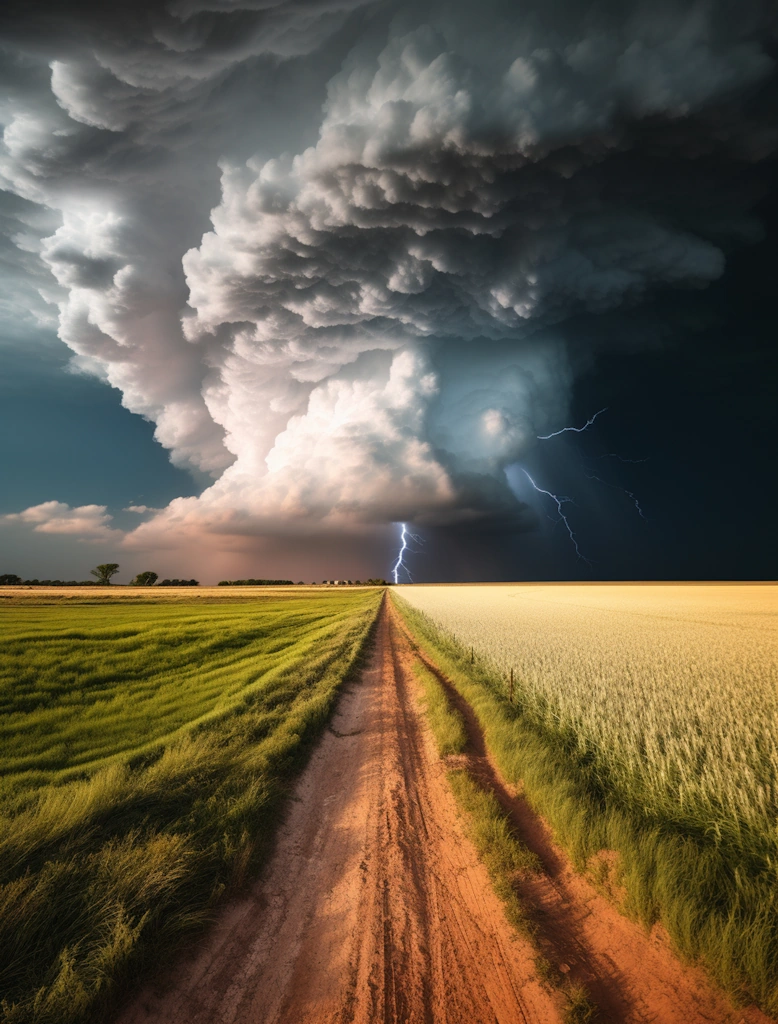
(375, 907)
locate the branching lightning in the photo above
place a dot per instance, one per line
(405, 533)
(636, 504)
(559, 501)
(575, 430)
(618, 487)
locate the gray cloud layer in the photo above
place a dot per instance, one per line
(326, 246)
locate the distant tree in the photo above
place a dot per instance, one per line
(144, 579)
(105, 572)
(9, 578)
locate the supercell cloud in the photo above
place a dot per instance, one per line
(329, 248)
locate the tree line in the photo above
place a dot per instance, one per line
(103, 575)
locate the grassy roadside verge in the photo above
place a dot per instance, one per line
(101, 878)
(718, 908)
(500, 849)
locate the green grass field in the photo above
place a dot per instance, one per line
(146, 747)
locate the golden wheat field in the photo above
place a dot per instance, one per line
(675, 687)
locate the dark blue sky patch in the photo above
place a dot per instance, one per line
(65, 436)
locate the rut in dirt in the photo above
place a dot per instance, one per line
(374, 907)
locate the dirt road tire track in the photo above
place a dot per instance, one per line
(375, 907)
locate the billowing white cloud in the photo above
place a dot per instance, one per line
(84, 522)
(360, 327)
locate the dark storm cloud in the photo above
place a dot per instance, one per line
(374, 322)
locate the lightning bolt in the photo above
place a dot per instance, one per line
(635, 501)
(636, 504)
(560, 501)
(575, 430)
(405, 533)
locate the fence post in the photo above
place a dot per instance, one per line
(472, 655)
(511, 696)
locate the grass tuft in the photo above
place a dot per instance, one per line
(446, 723)
(580, 1009)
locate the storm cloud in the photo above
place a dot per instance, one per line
(330, 248)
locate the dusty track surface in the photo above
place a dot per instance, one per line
(375, 907)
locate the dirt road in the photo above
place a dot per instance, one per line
(375, 907)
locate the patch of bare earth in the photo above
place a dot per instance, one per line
(375, 907)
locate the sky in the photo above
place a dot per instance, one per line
(277, 277)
